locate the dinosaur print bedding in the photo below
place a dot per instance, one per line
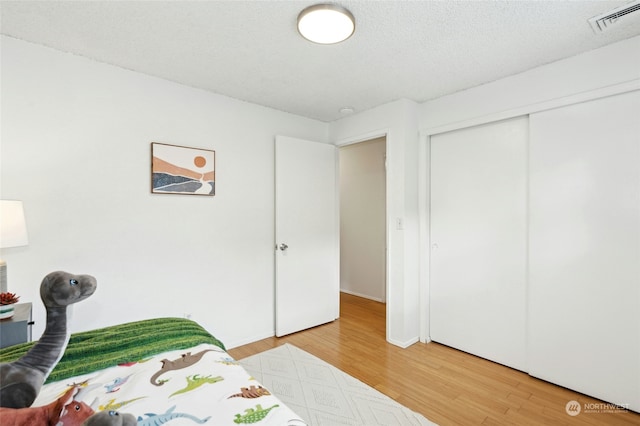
(176, 380)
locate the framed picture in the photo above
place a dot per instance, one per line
(182, 170)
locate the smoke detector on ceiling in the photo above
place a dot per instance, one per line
(606, 20)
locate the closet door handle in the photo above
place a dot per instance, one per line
(283, 246)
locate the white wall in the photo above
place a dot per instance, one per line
(363, 207)
(398, 120)
(520, 94)
(75, 147)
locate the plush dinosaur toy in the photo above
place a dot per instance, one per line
(63, 411)
(110, 418)
(21, 380)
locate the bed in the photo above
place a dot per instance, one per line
(163, 371)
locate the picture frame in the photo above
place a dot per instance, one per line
(182, 170)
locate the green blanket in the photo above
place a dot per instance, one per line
(106, 347)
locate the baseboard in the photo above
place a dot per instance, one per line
(364, 296)
(405, 344)
(236, 343)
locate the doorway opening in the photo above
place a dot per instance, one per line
(363, 219)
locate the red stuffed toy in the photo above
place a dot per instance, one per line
(64, 411)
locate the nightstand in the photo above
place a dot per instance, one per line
(16, 329)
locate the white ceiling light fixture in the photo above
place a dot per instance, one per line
(326, 23)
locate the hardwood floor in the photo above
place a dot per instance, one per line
(447, 386)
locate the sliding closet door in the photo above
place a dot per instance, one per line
(584, 299)
(478, 240)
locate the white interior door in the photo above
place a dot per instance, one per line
(478, 235)
(307, 235)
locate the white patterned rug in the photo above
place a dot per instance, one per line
(322, 394)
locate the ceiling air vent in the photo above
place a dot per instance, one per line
(603, 22)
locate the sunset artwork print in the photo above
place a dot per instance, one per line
(182, 170)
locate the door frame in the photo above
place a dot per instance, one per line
(364, 138)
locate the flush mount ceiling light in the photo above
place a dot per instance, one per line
(326, 23)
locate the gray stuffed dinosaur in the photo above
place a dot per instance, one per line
(21, 380)
(111, 418)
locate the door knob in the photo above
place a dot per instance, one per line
(283, 246)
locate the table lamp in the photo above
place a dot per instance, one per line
(13, 232)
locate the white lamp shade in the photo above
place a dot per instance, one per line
(326, 23)
(13, 228)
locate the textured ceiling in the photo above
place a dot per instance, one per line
(250, 50)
